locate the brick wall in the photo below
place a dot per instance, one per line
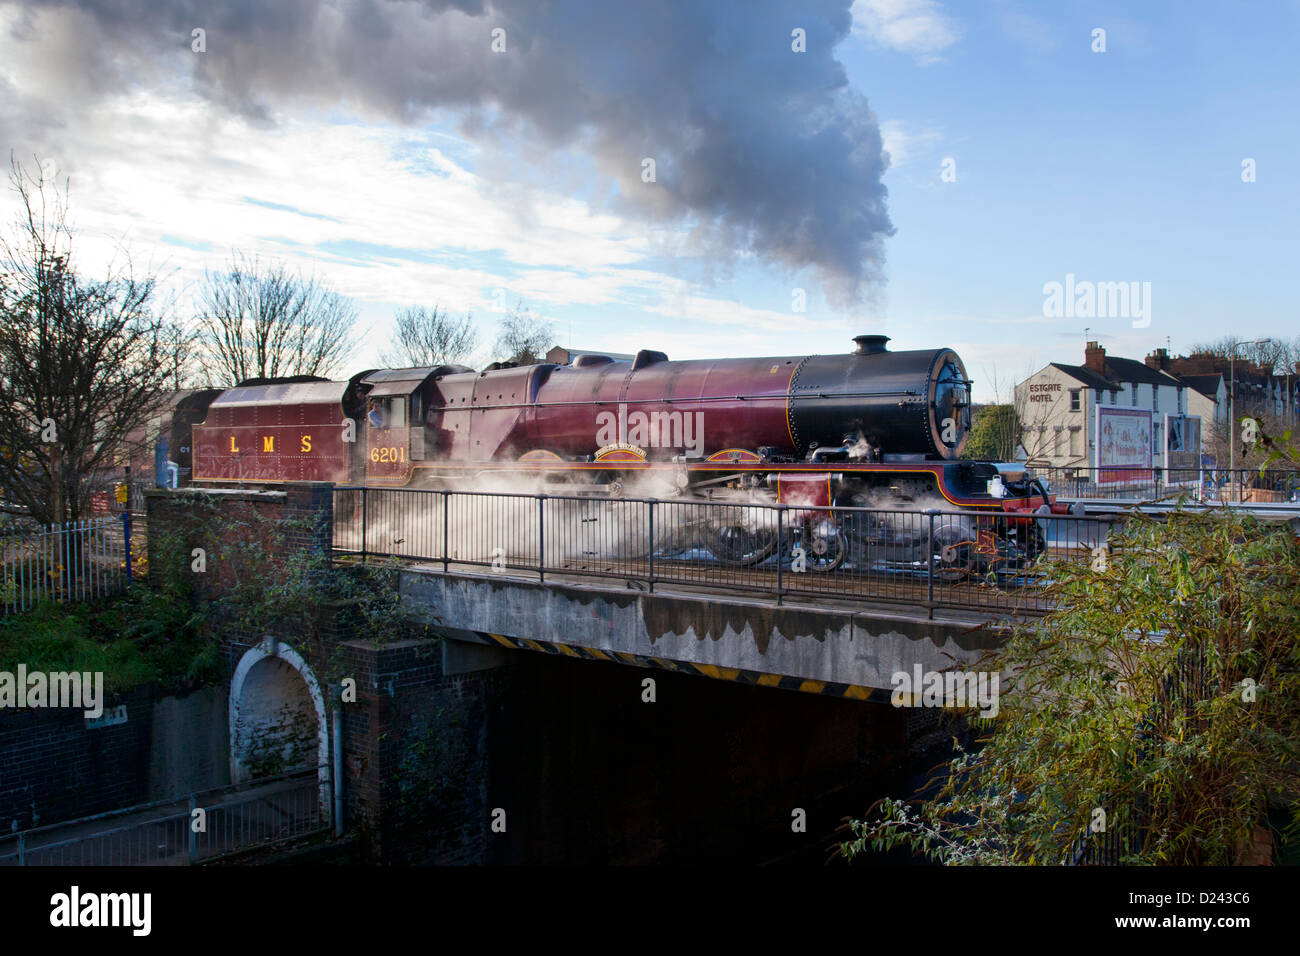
(415, 741)
(56, 768)
(416, 754)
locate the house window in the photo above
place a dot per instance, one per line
(1074, 442)
(1155, 398)
(1074, 400)
(1114, 396)
(1133, 395)
(1182, 401)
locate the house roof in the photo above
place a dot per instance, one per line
(1131, 370)
(1086, 375)
(1207, 385)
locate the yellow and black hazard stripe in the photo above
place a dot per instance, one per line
(735, 674)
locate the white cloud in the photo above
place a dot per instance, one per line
(905, 144)
(344, 199)
(919, 27)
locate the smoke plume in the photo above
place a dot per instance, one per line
(759, 150)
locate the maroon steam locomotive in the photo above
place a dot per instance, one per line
(814, 429)
(871, 428)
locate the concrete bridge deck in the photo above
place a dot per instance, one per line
(825, 645)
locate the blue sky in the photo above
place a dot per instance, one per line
(1123, 165)
(1115, 166)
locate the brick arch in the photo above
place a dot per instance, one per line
(273, 694)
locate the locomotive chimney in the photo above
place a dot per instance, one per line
(869, 344)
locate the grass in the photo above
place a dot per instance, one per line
(136, 637)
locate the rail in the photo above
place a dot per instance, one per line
(931, 558)
(1188, 681)
(234, 819)
(1123, 482)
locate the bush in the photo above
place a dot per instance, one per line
(133, 638)
(1096, 727)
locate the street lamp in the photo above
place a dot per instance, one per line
(1232, 406)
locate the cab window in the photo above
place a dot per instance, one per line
(395, 409)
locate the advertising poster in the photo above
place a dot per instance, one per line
(1182, 445)
(1123, 445)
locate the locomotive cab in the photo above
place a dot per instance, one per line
(396, 416)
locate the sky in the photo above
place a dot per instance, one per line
(920, 169)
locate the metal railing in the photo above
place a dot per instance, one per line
(928, 558)
(234, 819)
(1202, 484)
(1188, 681)
(79, 561)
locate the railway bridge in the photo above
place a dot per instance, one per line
(610, 590)
(554, 611)
(832, 601)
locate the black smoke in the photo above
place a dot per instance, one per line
(759, 150)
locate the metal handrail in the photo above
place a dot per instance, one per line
(313, 779)
(1005, 546)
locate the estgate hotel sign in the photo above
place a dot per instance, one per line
(1043, 392)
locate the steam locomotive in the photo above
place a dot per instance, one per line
(870, 428)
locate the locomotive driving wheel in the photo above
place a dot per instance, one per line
(954, 553)
(736, 544)
(827, 547)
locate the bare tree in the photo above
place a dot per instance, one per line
(179, 346)
(427, 337)
(1276, 352)
(82, 362)
(1037, 424)
(523, 338)
(259, 321)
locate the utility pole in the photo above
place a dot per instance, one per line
(1232, 406)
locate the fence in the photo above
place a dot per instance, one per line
(79, 561)
(105, 500)
(236, 819)
(928, 558)
(1188, 681)
(1203, 484)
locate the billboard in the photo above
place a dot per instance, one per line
(1122, 445)
(1182, 443)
